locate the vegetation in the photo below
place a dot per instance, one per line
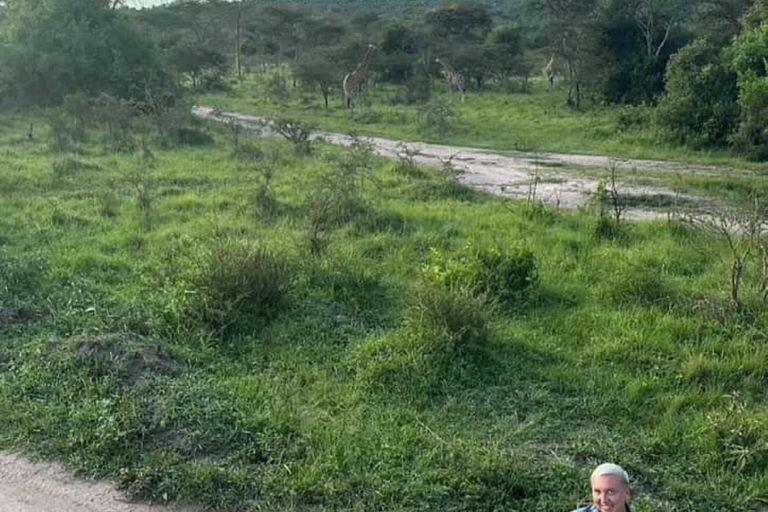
(441, 349)
(284, 324)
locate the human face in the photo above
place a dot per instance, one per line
(609, 493)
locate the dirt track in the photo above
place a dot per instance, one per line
(43, 487)
(566, 180)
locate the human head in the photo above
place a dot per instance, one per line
(610, 488)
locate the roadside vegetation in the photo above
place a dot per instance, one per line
(282, 324)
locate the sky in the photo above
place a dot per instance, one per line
(146, 3)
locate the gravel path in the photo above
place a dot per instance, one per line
(44, 487)
(566, 180)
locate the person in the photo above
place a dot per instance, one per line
(610, 489)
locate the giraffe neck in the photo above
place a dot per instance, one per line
(362, 68)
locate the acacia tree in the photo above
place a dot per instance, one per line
(319, 70)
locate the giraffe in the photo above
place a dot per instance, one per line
(553, 68)
(453, 77)
(355, 81)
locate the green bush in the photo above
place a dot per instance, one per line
(436, 115)
(442, 342)
(239, 286)
(749, 53)
(503, 274)
(699, 106)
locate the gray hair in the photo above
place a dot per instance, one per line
(609, 468)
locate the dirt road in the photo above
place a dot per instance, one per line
(567, 180)
(43, 487)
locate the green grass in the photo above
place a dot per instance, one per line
(348, 380)
(535, 121)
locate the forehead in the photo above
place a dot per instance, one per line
(607, 482)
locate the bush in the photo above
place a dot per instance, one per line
(749, 53)
(699, 106)
(239, 286)
(503, 274)
(436, 116)
(442, 342)
(418, 87)
(296, 132)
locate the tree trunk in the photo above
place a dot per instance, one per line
(237, 40)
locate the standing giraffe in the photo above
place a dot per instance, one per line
(453, 77)
(553, 68)
(355, 81)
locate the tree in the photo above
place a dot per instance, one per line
(466, 22)
(399, 47)
(720, 20)
(571, 25)
(700, 103)
(320, 70)
(634, 50)
(504, 50)
(750, 60)
(52, 48)
(196, 61)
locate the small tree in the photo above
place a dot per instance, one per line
(319, 71)
(743, 230)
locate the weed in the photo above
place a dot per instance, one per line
(109, 204)
(63, 168)
(144, 187)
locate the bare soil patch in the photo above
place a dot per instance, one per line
(27, 486)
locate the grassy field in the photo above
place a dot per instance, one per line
(253, 329)
(538, 120)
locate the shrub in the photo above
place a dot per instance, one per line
(296, 132)
(119, 120)
(239, 285)
(442, 342)
(503, 274)
(60, 134)
(334, 196)
(436, 116)
(699, 105)
(418, 87)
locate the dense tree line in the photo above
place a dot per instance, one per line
(699, 63)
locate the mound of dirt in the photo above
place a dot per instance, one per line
(126, 356)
